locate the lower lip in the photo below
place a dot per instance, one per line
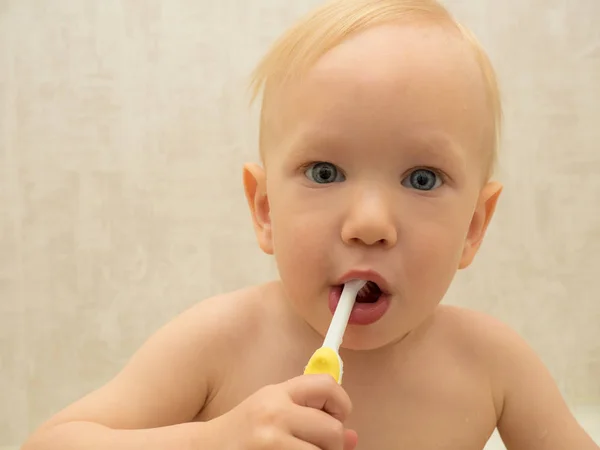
(362, 313)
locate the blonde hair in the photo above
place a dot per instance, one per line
(329, 25)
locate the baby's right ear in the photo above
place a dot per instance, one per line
(255, 186)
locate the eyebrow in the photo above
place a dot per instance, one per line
(309, 142)
(433, 145)
(440, 146)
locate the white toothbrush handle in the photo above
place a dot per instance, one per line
(335, 334)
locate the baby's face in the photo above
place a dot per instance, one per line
(376, 163)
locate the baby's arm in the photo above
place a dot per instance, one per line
(166, 383)
(534, 414)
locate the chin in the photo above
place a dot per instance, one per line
(358, 338)
(377, 335)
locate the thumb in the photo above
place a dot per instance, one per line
(350, 439)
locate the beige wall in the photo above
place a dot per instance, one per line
(123, 128)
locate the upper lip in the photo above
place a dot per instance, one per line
(366, 275)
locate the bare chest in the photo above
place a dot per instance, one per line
(422, 415)
(418, 405)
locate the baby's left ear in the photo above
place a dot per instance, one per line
(486, 205)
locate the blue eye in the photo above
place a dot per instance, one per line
(423, 180)
(324, 173)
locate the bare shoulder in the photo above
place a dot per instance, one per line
(492, 342)
(531, 411)
(219, 320)
(169, 379)
(487, 342)
(475, 329)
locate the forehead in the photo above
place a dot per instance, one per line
(397, 82)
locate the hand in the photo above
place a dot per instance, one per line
(304, 413)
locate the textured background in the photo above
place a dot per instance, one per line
(123, 128)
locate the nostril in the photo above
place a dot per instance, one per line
(379, 243)
(367, 230)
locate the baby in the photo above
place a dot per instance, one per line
(379, 128)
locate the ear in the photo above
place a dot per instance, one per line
(486, 205)
(255, 186)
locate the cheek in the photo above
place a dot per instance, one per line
(434, 255)
(302, 242)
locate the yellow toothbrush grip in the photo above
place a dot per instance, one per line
(325, 361)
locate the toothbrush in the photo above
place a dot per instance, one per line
(327, 359)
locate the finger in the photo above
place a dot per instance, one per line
(320, 392)
(316, 427)
(350, 439)
(292, 443)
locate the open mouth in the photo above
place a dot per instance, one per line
(370, 293)
(371, 303)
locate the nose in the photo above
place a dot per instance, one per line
(370, 220)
